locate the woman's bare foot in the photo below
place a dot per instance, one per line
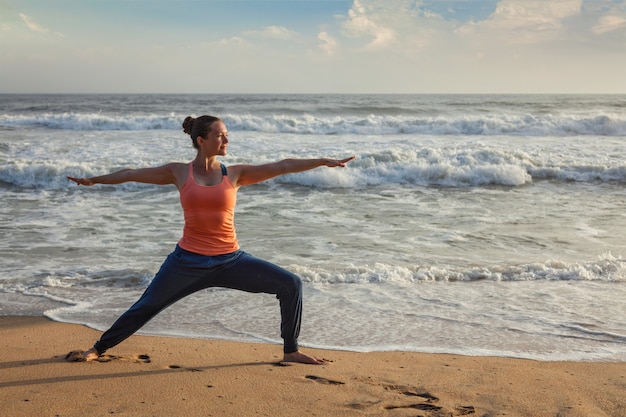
(300, 357)
(82, 356)
(90, 355)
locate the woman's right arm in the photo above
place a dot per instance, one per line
(165, 174)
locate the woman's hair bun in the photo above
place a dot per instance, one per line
(188, 124)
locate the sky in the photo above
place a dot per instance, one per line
(313, 46)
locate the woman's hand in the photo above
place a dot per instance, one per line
(332, 163)
(82, 181)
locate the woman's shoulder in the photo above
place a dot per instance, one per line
(176, 167)
(179, 170)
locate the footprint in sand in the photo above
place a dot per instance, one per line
(459, 411)
(133, 358)
(421, 406)
(77, 356)
(410, 391)
(465, 410)
(428, 404)
(325, 381)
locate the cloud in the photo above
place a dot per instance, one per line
(329, 44)
(524, 21)
(32, 25)
(538, 14)
(402, 27)
(362, 21)
(272, 32)
(609, 24)
(234, 41)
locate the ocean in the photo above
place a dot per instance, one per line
(467, 224)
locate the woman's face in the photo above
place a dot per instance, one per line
(216, 142)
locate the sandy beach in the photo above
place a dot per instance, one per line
(162, 376)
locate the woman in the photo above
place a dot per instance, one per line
(208, 253)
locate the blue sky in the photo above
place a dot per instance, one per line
(312, 46)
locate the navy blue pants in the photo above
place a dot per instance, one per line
(184, 273)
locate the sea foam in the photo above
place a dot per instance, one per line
(431, 167)
(489, 125)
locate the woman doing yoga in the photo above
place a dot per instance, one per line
(208, 254)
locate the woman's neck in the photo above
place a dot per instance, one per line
(206, 163)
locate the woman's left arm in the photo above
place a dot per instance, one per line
(253, 174)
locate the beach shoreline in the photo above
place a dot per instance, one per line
(168, 376)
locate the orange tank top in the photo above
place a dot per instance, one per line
(209, 216)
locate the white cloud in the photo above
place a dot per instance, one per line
(329, 44)
(234, 41)
(537, 14)
(362, 21)
(609, 24)
(272, 32)
(524, 21)
(400, 27)
(32, 25)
